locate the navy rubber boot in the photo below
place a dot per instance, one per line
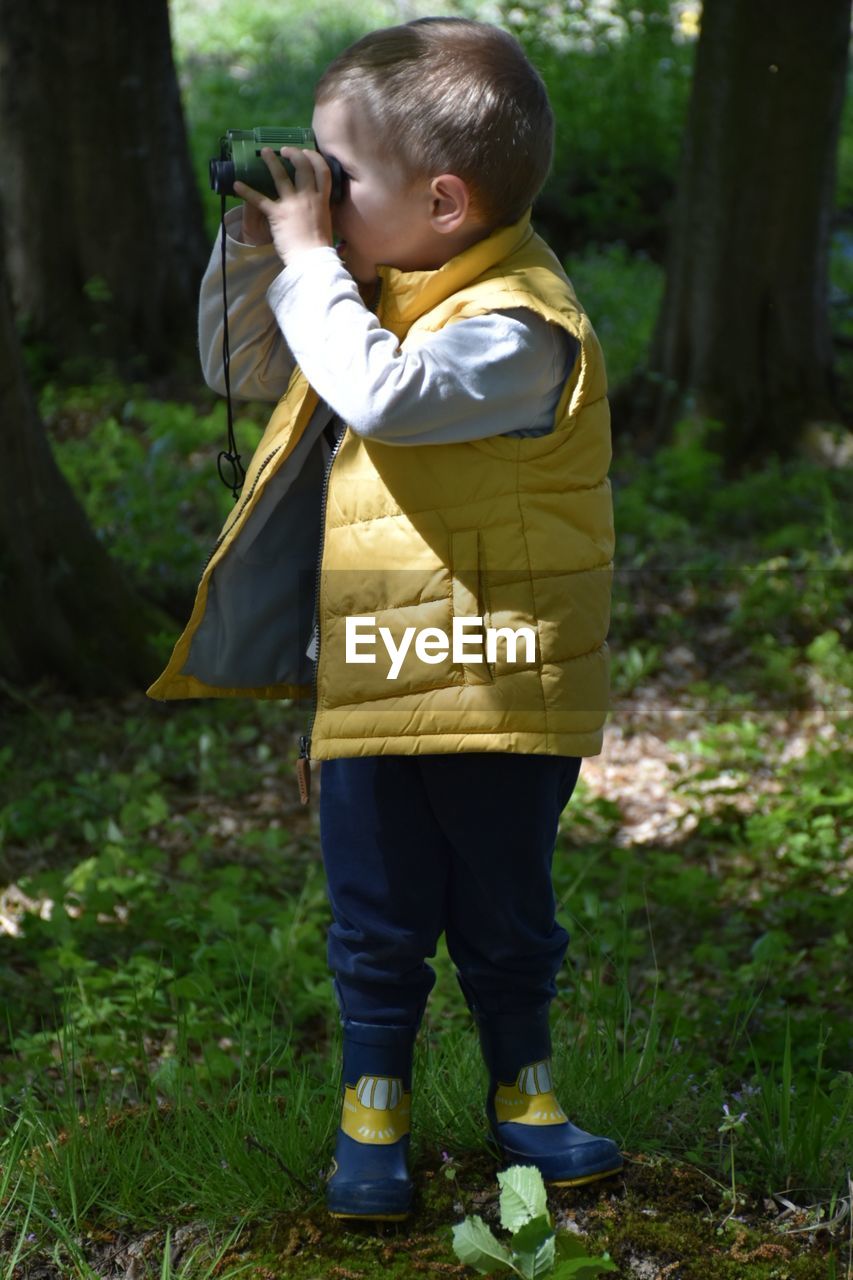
(369, 1177)
(527, 1122)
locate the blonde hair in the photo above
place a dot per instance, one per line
(449, 95)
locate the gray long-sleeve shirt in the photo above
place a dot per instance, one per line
(497, 374)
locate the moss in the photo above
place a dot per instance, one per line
(317, 1246)
(696, 1249)
(656, 1213)
(670, 1216)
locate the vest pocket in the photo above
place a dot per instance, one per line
(469, 605)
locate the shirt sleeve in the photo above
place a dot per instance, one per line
(488, 375)
(261, 362)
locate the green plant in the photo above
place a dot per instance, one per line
(799, 1128)
(634, 664)
(535, 1249)
(618, 76)
(145, 473)
(731, 1126)
(621, 291)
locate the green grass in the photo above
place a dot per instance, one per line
(188, 1146)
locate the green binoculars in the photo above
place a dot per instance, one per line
(240, 160)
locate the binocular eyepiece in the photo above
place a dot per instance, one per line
(240, 160)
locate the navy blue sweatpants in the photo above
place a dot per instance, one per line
(417, 845)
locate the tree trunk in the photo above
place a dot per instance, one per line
(743, 334)
(67, 613)
(106, 244)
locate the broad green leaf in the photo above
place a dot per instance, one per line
(187, 986)
(155, 809)
(114, 833)
(476, 1246)
(533, 1248)
(581, 1268)
(523, 1196)
(167, 1076)
(532, 1234)
(78, 879)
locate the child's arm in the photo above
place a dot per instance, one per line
(261, 361)
(495, 374)
(490, 375)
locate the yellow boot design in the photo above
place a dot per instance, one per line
(369, 1177)
(531, 1127)
(377, 1109)
(531, 1099)
(527, 1122)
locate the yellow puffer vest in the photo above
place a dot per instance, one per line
(503, 533)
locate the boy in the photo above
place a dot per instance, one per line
(434, 473)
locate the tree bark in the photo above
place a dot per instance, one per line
(743, 333)
(67, 613)
(106, 244)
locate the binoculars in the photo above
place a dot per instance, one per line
(240, 160)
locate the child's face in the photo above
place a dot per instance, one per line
(381, 220)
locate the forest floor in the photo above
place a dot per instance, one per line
(658, 1220)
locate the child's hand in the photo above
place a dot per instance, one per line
(301, 217)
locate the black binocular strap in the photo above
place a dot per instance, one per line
(229, 466)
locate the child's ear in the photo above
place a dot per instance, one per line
(451, 203)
